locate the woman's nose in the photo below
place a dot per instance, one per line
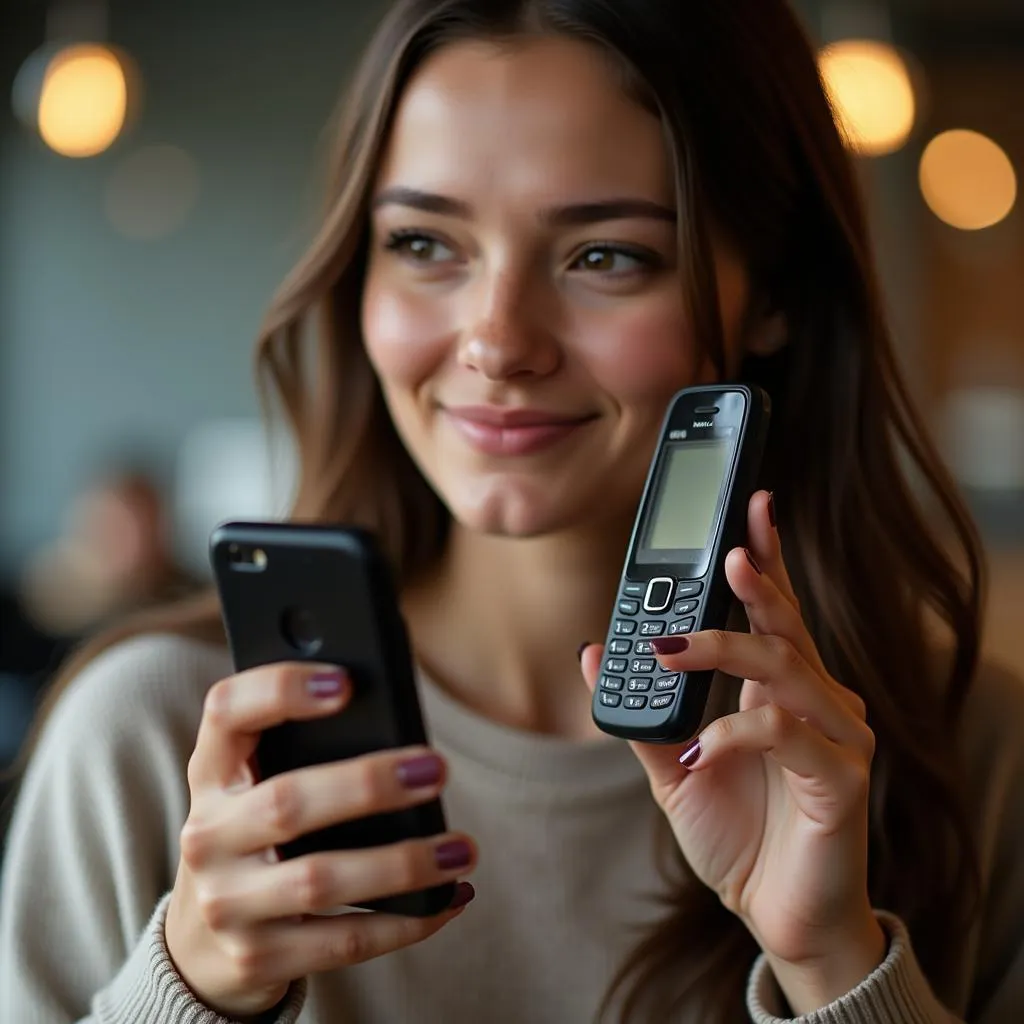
(506, 334)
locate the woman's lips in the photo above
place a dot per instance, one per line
(512, 432)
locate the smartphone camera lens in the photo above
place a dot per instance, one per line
(299, 628)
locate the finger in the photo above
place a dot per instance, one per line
(239, 708)
(659, 761)
(779, 667)
(827, 779)
(292, 950)
(299, 802)
(768, 609)
(320, 882)
(766, 545)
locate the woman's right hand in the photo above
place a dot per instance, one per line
(237, 924)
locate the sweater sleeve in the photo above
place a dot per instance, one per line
(93, 846)
(896, 992)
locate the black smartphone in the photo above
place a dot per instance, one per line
(693, 512)
(296, 592)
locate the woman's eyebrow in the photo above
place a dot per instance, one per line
(573, 215)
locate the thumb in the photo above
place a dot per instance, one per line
(660, 761)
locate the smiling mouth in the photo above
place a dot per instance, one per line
(512, 432)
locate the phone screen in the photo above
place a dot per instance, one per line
(686, 502)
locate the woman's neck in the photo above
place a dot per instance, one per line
(498, 623)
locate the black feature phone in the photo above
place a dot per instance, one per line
(292, 592)
(693, 512)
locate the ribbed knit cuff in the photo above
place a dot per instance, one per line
(148, 989)
(895, 992)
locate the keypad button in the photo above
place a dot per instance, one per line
(635, 701)
(634, 589)
(667, 682)
(684, 607)
(681, 626)
(689, 588)
(643, 647)
(652, 627)
(639, 684)
(620, 647)
(661, 701)
(612, 682)
(610, 700)
(628, 606)
(623, 627)
(639, 666)
(659, 595)
(616, 665)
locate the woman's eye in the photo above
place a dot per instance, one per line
(606, 260)
(419, 248)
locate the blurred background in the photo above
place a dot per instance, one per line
(159, 171)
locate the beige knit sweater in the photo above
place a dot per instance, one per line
(566, 865)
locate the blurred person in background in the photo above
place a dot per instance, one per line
(564, 210)
(113, 557)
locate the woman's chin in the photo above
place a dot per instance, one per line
(512, 513)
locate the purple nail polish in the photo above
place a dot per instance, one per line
(419, 772)
(670, 644)
(771, 510)
(464, 893)
(326, 685)
(454, 855)
(582, 647)
(753, 564)
(691, 755)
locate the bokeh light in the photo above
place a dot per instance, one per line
(84, 101)
(967, 180)
(871, 92)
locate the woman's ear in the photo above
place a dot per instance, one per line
(770, 334)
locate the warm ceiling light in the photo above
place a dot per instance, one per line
(967, 180)
(871, 92)
(84, 101)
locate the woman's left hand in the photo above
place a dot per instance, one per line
(772, 812)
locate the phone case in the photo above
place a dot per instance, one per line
(325, 594)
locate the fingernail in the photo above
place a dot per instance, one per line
(771, 509)
(422, 771)
(582, 647)
(454, 855)
(464, 894)
(691, 755)
(753, 564)
(670, 644)
(326, 685)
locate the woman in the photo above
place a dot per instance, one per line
(573, 208)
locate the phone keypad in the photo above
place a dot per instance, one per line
(634, 680)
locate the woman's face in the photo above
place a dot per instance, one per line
(523, 306)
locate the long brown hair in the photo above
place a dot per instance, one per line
(758, 155)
